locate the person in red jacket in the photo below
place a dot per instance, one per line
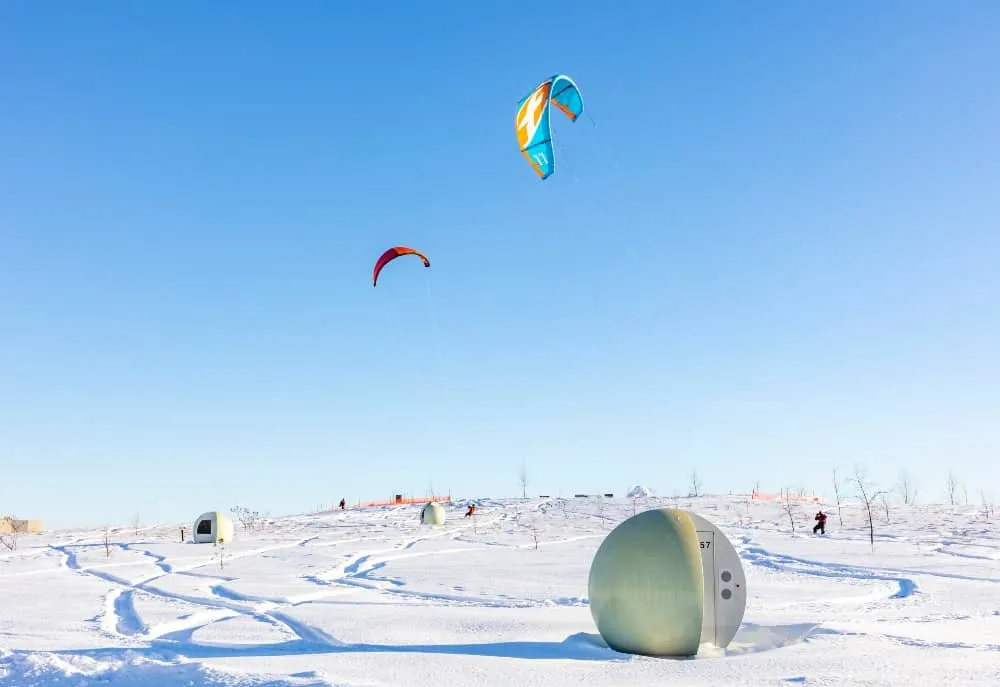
(820, 523)
(471, 511)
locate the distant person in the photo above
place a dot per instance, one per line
(343, 503)
(182, 535)
(472, 511)
(820, 523)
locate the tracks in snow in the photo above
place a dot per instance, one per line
(121, 620)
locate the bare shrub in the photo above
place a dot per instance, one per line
(789, 510)
(867, 492)
(907, 488)
(988, 509)
(249, 519)
(836, 494)
(535, 531)
(695, 489)
(951, 488)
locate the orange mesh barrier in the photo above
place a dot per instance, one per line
(406, 500)
(758, 496)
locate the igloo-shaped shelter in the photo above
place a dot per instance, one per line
(212, 527)
(639, 491)
(664, 581)
(432, 514)
(646, 585)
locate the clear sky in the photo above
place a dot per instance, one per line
(771, 246)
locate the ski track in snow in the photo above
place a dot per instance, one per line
(169, 647)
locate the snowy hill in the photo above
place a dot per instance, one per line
(370, 597)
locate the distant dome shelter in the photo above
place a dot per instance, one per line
(212, 527)
(432, 514)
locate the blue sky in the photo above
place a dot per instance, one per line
(770, 246)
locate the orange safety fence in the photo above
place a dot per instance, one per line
(400, 500)
(758, 496)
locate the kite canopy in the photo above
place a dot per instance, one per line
(532, 122)
(392, 254)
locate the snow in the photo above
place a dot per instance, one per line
(371, 597)
(639, 491)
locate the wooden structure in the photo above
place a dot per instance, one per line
(9, 525)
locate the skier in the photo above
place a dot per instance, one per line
(471, 511)
(820, 523)
(343, 502)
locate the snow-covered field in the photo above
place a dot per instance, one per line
(371, 597)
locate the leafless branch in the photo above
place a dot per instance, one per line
(695, 484)
(988, 510)
(868, 493)
(250, 520)
(951, 488)
(836, 493)
(789, 509)
(907, 488)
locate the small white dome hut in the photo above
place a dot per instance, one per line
(432, 514)
(646, 587)
(212, 527)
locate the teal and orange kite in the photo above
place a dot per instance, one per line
(532, 123)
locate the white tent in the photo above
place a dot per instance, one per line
(212, 527)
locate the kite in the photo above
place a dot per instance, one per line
(534, 130)
(391, 255)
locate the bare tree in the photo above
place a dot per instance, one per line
(885, 506)
(250, 519)
(836, 494)
(907, 488)
(951, 488)
(788, 508)
(695, 484)
(747, 501)
(135, 523)
(522, 477)
(107, 542)
(535, 530)
(988, 509)
(868, 493)
(600, 509)
(220, 552)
